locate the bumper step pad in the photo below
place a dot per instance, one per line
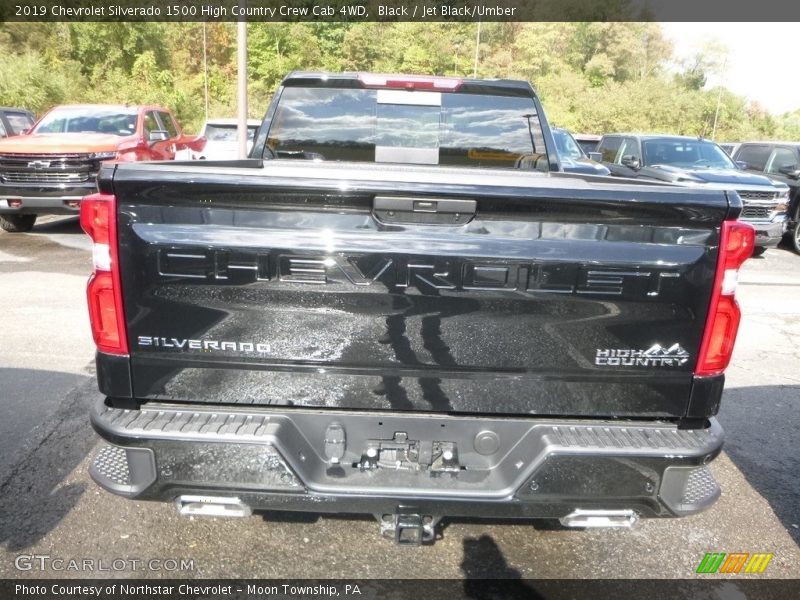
(111, 465)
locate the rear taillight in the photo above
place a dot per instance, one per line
(736, 246)
(98, 220)
(410, 82)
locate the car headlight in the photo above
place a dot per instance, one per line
(782, 200)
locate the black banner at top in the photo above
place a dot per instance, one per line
(399, 10)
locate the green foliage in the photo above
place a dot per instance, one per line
(29, 80)
(710, 59)
(789, 127)
(100, 47)
(276, 49)
(593, 77)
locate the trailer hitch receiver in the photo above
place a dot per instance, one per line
(408, 527)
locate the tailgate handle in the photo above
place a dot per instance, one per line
(439, 211)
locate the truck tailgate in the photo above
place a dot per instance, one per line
(413, 289)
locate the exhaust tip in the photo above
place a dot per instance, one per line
(211, 506)
(600, 518)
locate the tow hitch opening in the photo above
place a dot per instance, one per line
(409, 528)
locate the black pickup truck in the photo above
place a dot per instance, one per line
(400, 306)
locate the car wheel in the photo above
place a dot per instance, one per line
(796, 236)
(17, 223)
(759, 250)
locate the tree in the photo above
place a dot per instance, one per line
(275, 49)
(709, 59)
(101, 47)
(28, 80)
(609, 75)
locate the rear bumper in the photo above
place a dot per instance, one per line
(43, 200)
(379, 463)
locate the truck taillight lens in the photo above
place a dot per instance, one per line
(98, 220)
(735, 247)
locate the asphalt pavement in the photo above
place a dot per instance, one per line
(49, 505)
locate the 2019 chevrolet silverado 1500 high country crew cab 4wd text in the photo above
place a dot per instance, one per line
(378, 313)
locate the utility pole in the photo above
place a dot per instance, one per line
(477, 51)
(241, 49)
(205, 64)
(719, 100)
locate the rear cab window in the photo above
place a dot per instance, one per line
(218, 132)
(407, 127)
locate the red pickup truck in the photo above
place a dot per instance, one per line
(50, 168)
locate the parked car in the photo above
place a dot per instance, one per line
(49, 169)
(730, 148)
(378, 313)
(15, 121)
(779, 161)
(222, 139)
(573, 158)
(697, 162)
(588, 141)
